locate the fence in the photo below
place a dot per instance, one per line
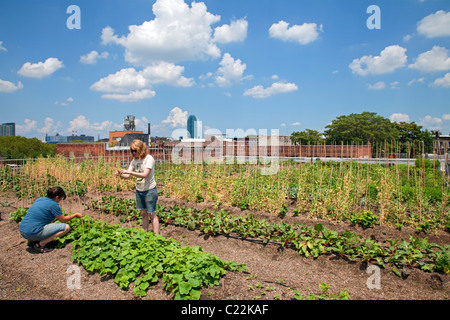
(239, 151)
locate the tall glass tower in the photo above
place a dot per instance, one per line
(192, 127)
(8, 129)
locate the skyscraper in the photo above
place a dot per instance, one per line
(192, 127)
(7, 129)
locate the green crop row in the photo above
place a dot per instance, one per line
(133, 256)
(27, 186)
(401, 255)
(398, 195)
(125, 209)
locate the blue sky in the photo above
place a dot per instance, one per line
(249, 64)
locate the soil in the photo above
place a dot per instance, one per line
(273, 273)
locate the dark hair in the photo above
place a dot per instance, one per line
(52, 193)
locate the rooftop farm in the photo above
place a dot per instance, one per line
(244, 204)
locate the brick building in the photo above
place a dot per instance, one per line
(215, 150)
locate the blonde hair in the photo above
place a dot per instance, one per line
(141, 149)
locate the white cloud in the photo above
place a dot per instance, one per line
(390, 59)
(64, 103)
(80, 123)
(394, 85)
(236, 31)
(93, 57)
(231, 71)
(132, 96)
(205, 76)
(380, 85)
(303, 34)
(28, 126)
(122, 81)
(276, 88)
(377, 86)
(141, 123)
(41, 69)
(436, 123)
(176, 118)
(435, 25)
(173, 126)
(399, 117)
(167, 73)
(178, 32)
(431, 123)
(413, 81)
(2, 48)
(9, 87)
(442, 82)
(108, 37)
(436, 59)
(408, 37)
(131, 85)
(49, 126)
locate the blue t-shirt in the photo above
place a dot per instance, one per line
(43, 211)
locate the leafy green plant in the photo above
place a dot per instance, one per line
(314, 241)
(18, 214)
(123, 208)
(443, 260)
(283, 211)
(324, 294)
(365, 219)
(142, 258)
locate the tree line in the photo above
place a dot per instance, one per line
(368, 127)
(16, 147)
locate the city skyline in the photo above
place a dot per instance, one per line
(284, 65)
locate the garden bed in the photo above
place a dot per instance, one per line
(274, 272)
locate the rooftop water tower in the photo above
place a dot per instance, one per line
(129, 124)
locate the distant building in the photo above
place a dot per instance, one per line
(55, 139)
(125, 138)
(442, 143)
(194, 127)
(129, 123)
(7, 129)
(116, 137)
(67, 139)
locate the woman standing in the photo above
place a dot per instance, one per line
(37, 226)
(143, 168)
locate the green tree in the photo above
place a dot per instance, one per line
(411, 136)
(21, 148)
(428, 140)
(308, 136)
(360, 128)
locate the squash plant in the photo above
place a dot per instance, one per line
(134, 256)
